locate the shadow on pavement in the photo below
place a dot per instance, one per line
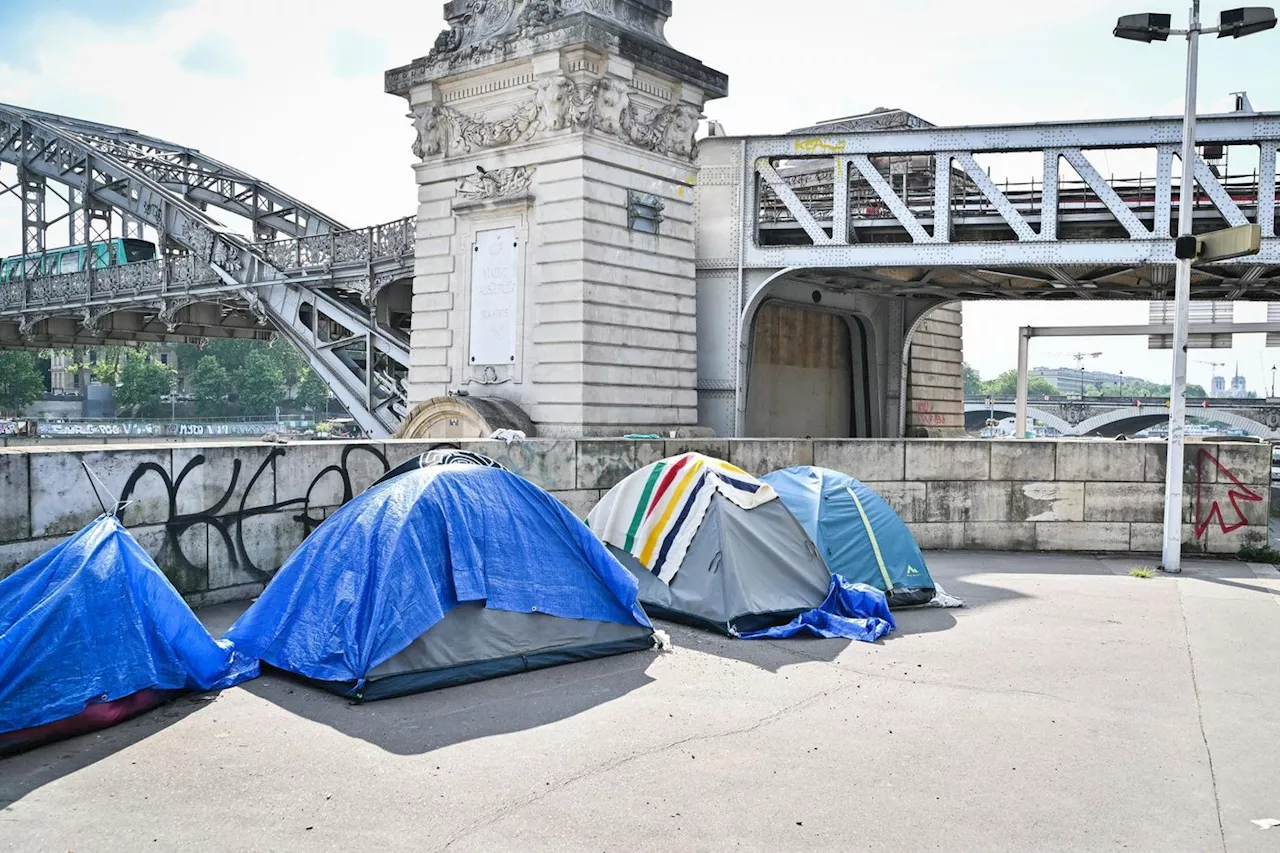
(769, 655)
(28, 771)
(422, 723)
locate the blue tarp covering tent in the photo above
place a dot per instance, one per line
(441, 576)
(92, 633)
(856, 531)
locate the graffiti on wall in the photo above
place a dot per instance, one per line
(226, 526)
(9, 427)
(1210, 511)
(926, 416)
(146, 429)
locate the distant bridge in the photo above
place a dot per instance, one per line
(1112, 416)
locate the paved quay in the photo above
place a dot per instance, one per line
(1067, 707)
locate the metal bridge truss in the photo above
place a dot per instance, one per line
(917, 212)
(304, 275)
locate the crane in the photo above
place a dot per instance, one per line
(1080, 359)
(1214, 365)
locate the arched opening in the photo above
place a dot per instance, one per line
(809, 373)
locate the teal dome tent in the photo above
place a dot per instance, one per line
(857, 532)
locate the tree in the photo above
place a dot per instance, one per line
(1006, 385)
(972, 381)
(104, 364)
(260, 383)
(312, 392)
(143, 381)
(231, 354)
(209, 384)
(292, 365)
(1195, 391)
(20, 383)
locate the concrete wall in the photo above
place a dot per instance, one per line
(221, 518)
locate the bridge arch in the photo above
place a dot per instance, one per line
(1033, 413)
(1142, 417)
(843, 351)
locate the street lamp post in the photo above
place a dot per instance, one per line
(1151, 27)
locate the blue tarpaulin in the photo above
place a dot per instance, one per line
(95, 620)
(390, 564)
(852, 610)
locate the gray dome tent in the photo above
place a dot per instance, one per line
(711, 546)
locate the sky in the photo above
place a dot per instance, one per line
(291, 91)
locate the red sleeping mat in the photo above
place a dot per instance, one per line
(95, 717)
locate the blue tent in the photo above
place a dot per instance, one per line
(441, 576)
(92, 633)
(857, 532)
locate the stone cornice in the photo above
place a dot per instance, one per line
(488, 41)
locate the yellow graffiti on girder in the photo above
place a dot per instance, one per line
(818, 145)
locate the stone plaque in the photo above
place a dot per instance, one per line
(494, 297)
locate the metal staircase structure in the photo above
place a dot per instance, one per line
(303, 275)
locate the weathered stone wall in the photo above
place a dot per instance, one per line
(220, 519)
(935, 389)
(576, 148)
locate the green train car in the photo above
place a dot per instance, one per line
(77, 259)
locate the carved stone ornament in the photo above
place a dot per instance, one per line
(605, 106)
(487, 32)
(480, 26)
(496, 184)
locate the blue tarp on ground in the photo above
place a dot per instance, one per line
(852, 610)
(856, 531)
(95, 620)
(390, 564)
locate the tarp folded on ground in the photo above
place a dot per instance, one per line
(851, 610)
(439, 576)
(712, 546)
(93, 632)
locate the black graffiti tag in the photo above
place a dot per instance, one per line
(229, 526)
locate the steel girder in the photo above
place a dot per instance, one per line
(817, 202)
(197, 177)
(147, 182)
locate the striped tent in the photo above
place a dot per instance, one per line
(654, 514)
(711, 546)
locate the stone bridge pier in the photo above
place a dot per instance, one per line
(555, 246)
(577, 253)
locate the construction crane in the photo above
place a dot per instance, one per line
(1080, 359)
(1214, 365)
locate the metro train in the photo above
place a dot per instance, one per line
(73, 259)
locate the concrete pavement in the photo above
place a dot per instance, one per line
(1068, 707)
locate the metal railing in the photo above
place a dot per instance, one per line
(180, 275)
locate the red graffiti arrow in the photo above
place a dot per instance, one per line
(1241, 492)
